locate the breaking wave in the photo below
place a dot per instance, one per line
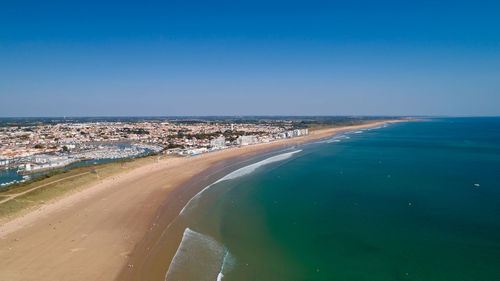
(242, 172)
(199, 257)
(336, 138)
(250, 168)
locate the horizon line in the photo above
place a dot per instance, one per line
(241, 116)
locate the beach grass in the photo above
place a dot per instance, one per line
(32, 194)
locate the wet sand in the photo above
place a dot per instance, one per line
(105, 232)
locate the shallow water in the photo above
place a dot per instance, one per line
(410, 201)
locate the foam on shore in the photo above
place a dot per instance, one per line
(199, 257)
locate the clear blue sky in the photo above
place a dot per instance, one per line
(87, 58)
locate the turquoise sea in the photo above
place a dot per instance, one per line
(408, 201)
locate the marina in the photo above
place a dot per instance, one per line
(43, 164)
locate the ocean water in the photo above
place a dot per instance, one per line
(409, 201)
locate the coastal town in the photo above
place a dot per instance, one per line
(37, 148)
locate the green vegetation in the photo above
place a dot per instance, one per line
(281, 121)
(173, 145)
(329, 122)
(137, 131)
(59, 183)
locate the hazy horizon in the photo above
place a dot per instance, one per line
(249, 116)
(224, 58)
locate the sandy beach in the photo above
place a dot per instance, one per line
(97, 233)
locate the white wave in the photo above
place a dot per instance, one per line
(227, 263)
(250, 168)
(241, 172)
(337, 138)
(199, 257)
(195, 245)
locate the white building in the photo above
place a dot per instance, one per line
(246, 140)
(198, 150)
(218, 142)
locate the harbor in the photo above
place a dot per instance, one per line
(42, 164)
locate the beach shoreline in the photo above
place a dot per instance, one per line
(146, 265)
(101, 232)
